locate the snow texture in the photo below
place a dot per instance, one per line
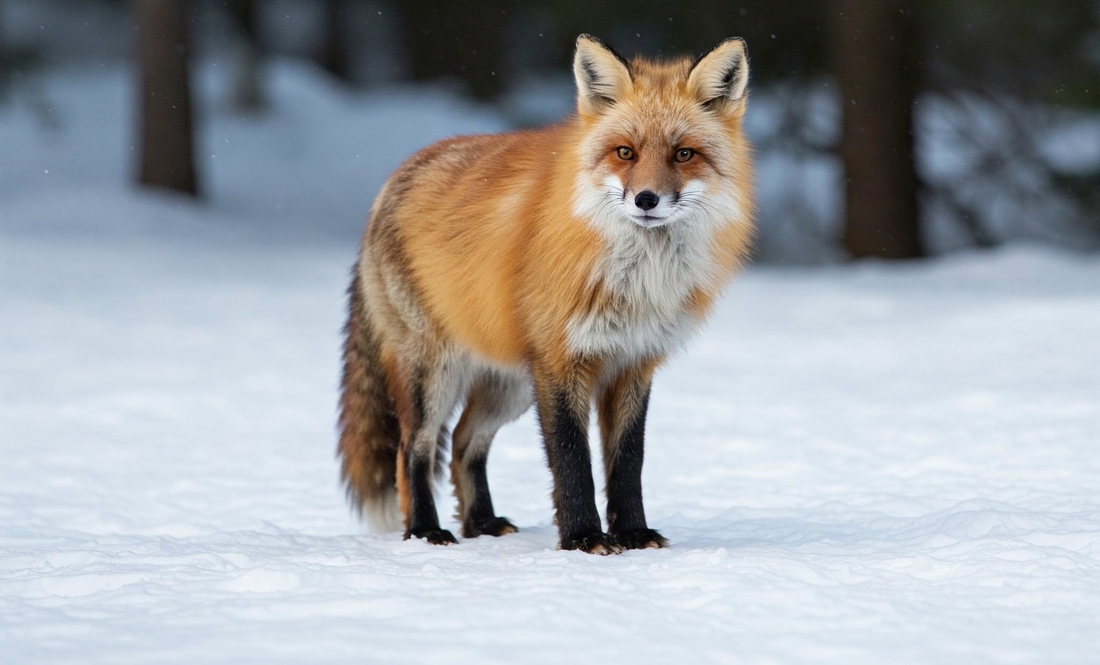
(861, 464)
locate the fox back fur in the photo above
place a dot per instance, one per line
(557, 267)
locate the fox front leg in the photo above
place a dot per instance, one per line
(563, 408)
(622, 410)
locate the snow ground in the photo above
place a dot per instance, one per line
(860, 464)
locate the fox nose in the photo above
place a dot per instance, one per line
(647, 200)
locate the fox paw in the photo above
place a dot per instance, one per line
(641, 539)
(494, 526)
(433, 536)
(593, 543)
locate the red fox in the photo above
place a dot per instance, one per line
(556, 267)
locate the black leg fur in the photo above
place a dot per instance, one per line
(423, 518)
(481, 519)
(625, 511)
(565, 434)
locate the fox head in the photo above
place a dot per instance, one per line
(662, 141)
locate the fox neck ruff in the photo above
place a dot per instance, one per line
(649, 278)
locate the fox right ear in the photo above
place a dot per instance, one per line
(602, 75)
(719, 78)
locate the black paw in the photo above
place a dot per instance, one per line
(593, 543)
(494, 526)
(641, 539)
(433, 536)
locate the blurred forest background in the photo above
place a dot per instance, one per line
(886, 128)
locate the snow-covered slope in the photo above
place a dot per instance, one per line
(854, 465)
(864, 464)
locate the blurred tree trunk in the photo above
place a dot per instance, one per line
(167, 153)
(484, 49)
(334, 47)
(3, 57)
(873, 44)
(423, 21)
(248, 91)
(466, 41)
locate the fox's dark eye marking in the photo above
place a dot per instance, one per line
(624, 153)
(684, 155)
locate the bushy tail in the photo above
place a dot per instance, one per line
(369, 430)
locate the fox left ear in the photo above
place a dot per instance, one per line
(602, 75)
(719, 78)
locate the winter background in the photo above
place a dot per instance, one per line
(855, 462)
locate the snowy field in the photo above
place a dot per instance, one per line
(860, 464)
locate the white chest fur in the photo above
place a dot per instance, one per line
(649, 273)
(649, 276)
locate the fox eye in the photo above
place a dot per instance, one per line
(625, 153)
(684, 155)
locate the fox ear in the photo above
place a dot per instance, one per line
(719, 78)
(603, 76)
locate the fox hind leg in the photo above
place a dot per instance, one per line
(495, 398)
(428, 397)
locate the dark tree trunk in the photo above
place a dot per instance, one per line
(459, 40)
(3, 57)
(248, 90)
(167, 153)
(334, 48)
(873, 45)
(423, 22)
